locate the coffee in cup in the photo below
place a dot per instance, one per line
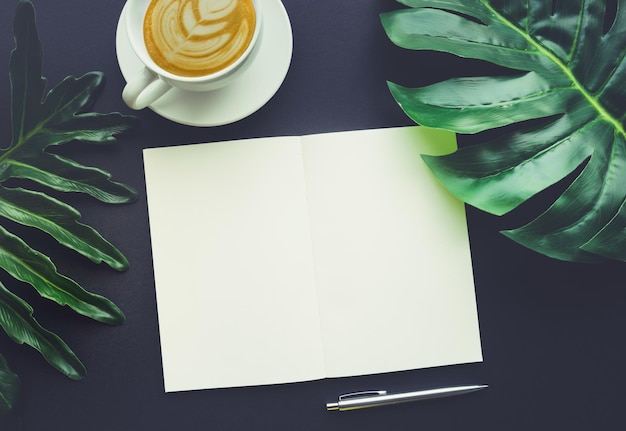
(195, 45)
(198, 37)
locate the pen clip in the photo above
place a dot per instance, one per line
(361, 394)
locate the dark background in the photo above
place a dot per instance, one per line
(552, 332)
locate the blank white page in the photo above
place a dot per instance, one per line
(392, 256)
(233, 264)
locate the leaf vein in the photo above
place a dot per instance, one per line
(593, 101)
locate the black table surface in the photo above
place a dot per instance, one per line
(552, 332)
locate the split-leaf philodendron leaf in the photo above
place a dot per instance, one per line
(40, 120)
(570, 72)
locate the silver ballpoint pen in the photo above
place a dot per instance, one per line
(362, 400)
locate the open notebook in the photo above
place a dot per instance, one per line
(298, 258)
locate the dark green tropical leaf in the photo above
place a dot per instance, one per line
(52, 216)
(68, 176)
(40, 121)
(16, 318)
(9, 386)
(569, 75)
(34, 268)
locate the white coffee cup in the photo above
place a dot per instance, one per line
(153, 81)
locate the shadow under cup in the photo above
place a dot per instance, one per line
(153, 81)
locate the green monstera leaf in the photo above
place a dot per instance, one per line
(41, 120)
(559, 111)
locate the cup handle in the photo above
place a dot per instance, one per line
(144, 89)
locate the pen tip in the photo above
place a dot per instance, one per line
(332, 407)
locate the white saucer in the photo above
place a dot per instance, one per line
(232, 103)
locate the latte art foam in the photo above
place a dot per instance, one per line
(198, 37)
